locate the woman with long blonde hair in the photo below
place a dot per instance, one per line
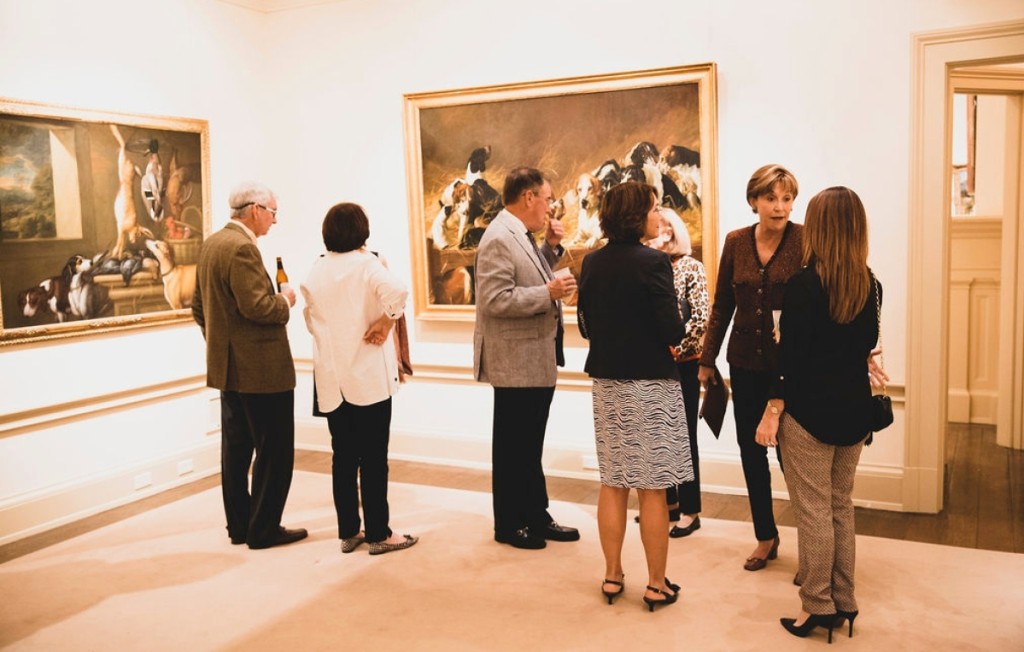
(819, 406)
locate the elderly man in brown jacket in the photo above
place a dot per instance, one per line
(249, 360)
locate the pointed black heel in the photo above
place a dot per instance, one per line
(827, 621)
(848, 616)
(669, 598)
(611, 595)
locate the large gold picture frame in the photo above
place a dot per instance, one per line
(659, 126)
(101, 218)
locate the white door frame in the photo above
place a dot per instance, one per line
(934, 55)
(1010, 371)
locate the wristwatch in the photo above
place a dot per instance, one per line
(772, 408)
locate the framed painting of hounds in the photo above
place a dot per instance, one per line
(101, 219)
(585, 133)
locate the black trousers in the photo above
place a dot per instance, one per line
(263, 424)
(518, 485)
(359, 468)
(749, 397)
(688, 493)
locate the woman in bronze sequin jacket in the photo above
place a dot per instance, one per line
(755, 265)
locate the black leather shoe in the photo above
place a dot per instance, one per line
(521, 538)
(555, 532)
(678, 532)
(283, 537)
(237, 541)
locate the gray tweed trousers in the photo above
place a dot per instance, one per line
(820, 480)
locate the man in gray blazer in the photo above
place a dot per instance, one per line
(249, 360)
(516, 343)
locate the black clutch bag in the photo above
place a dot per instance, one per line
(881, 412)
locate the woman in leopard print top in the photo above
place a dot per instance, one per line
(691, 286)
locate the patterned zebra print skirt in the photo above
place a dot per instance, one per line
(640, 428)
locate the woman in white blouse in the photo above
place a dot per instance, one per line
(352, 302)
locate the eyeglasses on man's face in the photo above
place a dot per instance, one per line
(272, 211)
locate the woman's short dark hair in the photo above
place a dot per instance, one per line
(519, 181)
(345, 228)
(624, 210)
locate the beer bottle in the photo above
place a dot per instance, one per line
(282, 277)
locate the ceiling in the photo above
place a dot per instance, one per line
(268, 6)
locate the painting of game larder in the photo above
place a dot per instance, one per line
(586, 134)
(101, 219)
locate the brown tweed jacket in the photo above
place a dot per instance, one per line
(242, 318)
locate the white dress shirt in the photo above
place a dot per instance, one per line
(344, 294)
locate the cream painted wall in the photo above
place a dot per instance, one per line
(92, 422)
(310, 100)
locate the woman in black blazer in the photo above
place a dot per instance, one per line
(819, 403)
(627, 309)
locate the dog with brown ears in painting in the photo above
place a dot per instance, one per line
(589, 191)
(179, 280)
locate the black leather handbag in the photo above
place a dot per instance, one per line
(881, 412)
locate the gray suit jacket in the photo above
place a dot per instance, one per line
(516, 320)
(242, 318)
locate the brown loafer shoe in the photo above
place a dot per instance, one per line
(282, 537)
(757, 563)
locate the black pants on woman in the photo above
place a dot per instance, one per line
(688, 493)
(359, 467)
(749, 398)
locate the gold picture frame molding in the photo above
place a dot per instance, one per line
(702, 76)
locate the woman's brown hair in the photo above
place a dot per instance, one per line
(764, 179)
(624, 210)
(836, 242)
(345, 228)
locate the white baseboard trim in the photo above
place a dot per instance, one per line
(875, 487)
(24, 515)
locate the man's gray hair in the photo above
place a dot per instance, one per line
(246, 194)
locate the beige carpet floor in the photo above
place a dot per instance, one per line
(169, 580)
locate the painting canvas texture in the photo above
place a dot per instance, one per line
(99, 220)
(584, 142)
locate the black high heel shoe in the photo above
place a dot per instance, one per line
(827, 621)
(848, 616)
(611, 595)
(669, 598)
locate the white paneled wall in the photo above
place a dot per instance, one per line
(974, 319)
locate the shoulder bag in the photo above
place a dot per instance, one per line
(881, 404)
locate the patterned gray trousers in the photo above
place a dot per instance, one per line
(820, 480)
